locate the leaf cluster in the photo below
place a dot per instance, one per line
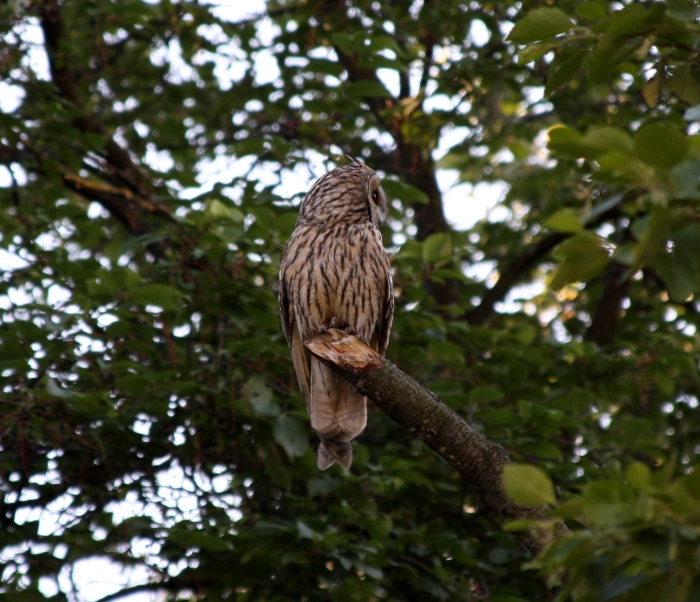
(151, 164)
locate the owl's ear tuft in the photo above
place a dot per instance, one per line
(355, 161)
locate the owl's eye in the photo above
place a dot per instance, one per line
(375, 197)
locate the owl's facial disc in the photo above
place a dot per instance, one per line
(378, 203)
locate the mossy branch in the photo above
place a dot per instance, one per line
(414, 407)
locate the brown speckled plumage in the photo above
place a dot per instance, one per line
(335, 272)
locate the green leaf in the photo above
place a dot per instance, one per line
(480, 395)
(540, 24)
(325, 66)
(181, 410)
(260, 396)
(321, 486)
(680, 276)
(248, 146)
(652, 546)
(591, 10)
(306, 532)
(379, 42)
(277, 471)
(607, 503)
(652, 89)
(615, 588)
(376, 61)
(528, 485)
(161, 295)
(615, 167)
(113, 282)
(371, 572)
(596, 141)
(367, 89)
(570, 509)
(683, 84)
(524, 524)
(692, 483)
(54, 389)
(639, 476)
(404, 192)
(564, 140)
(584, 256)
(381, 527)
(652, 232)
(264, 216)
(195, 539)
(445, 351)
(350, 43)
(544, 450)
(661, 145)
(411, 248)
(284, 223)
(437, 246)
(535, 51)
(291, 435)
(685, 235)
(564, 71)
(631, 20)
(683, 10)
(602, 207)
(608, 139)
(564, 220)
(217, 209)
(608, 55)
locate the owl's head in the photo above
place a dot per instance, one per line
(347, 194)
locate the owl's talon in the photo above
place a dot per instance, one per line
(350, 330)
(326, 327)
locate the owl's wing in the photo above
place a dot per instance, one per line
(385, 320)
(300, 355)
(286, 310)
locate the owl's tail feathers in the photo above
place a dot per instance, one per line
(331, 451)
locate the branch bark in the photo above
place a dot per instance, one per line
(183, 582)
(510, 275)
(125, 190)
(522, 263)
(479, 460)
(413, 162)
(608, 312)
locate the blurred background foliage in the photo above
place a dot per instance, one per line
(152, 157)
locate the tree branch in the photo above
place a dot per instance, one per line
(187, 580)
(130, 591)
(510, 275)
(66, 83)
(530, 257)
(130, 209)
(412, 160)
(131, 199)
(609, 309)
(479, 460)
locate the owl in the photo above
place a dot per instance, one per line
(335, 273)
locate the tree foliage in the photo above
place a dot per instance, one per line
(153, 155)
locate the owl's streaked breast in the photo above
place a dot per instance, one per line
(336, 270)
